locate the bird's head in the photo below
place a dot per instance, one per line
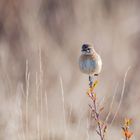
(87, 49)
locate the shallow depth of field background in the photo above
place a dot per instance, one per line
(42, 91)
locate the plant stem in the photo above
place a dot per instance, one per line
(97, 116)
(97, 119)
(126, 138)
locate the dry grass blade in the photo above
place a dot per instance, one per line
(27, 97)
(47, 112)
(111, 105)
(37, 107)
(122, 94)
(63, 102)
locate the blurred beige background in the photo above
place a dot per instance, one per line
(42, 91)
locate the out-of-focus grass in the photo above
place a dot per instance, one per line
(59, 27)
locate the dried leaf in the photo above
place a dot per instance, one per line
(95, 84)
(128, 134)
(127, 122)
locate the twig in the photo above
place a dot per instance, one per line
(100, 131)
(97, 115)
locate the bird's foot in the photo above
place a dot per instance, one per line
(90, 80)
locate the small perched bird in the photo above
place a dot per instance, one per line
(90, 62)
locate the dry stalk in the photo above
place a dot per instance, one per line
(95, 111)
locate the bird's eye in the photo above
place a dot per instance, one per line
(85, 46)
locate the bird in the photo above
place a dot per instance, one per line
(90, 61)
